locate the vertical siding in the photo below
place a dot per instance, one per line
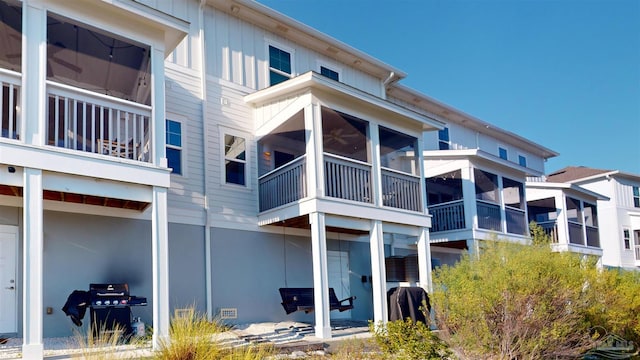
(237, 51)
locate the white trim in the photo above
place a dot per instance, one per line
(182, 120)
(278, 45)
(222, 131)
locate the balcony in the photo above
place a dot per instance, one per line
(347, 179)
(516, 223)
(575, 233)
(9, 100)
(550, 229)
(488, 216)
(447, 216)
(82, 120)
(400, 190)
(593, 237)
(283, 185)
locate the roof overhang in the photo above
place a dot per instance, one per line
(607, 175)
(567, 188)
(317, 83)
(471, 154)
(446, 113)
(288, 28)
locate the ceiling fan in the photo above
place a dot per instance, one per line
(338, 135)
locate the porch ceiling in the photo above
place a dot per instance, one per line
(302, 222)
(79, 198)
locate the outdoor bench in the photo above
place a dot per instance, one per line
(301, 299)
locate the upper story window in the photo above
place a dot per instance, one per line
(325, 71)
(636, 197)
(11, 35)
(522, 160)
(502, 152)
(443, 139)
(397, 151)
(174, 146)
(235, 160)
(85, 57)
(279, 65)
(626, 238)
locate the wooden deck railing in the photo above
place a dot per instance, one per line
(347, 179)
(575, 233)
(593, 237)
(400, 190)
(9, 99)
(551, 229)
(516, 222)
(447, 216)
(283, 185)
(82, 120)
(488, 216)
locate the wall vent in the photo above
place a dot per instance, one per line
(228, 313)
(183, 313)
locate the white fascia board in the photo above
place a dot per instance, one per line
(83, 164)
(471, 153)
(566, 187)
(97, 187)
(315, 81)
(615, 173)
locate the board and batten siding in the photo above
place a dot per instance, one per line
(183, 104)
(237, 51)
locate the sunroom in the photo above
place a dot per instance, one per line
(334, 158)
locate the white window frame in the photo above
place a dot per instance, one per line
(634, 197)
(183, 149)
(290, 50)
(448, 142)
(506, 149)
(247, 162)
(331, 66)
(627, 239)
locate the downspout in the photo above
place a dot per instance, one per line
(205, 162)
(385, 84)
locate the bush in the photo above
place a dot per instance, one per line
(515, 302)
(406, 340)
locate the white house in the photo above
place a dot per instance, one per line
(618, 211)
(476, 174)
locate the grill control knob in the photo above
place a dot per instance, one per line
(107, 302)
(98, 302)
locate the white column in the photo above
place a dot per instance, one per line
(503, 212)
(32, 272)
(158, 110)
(34, 59)
(160, 261)
(320, 275)
(424, 260)
(376, 175)
(469, 197)
(561, 221)
(314, 151)
(378, 273)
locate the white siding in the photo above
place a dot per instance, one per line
(237, 52)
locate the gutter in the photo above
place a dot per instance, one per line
(205, 130)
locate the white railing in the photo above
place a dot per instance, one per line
(551, 229)
(283, 185)
(593, 237)
(516, 222)
(82, 120)
(575, 233)
(447, 216)
(637, 248)
(400, 190)
(347, 179)
(9, 99)
(488, 216)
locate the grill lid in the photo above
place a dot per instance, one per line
(109, 290)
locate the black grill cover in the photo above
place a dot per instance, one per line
(406, 302)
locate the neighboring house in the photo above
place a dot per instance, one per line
(82, 151)
(475, 178)
(568, 213)
(618, 211)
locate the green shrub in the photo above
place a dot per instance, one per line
(406, 340)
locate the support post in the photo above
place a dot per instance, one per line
(320, 275)
(32, 299)
(378, 273)
(424, 260)
(160, 256)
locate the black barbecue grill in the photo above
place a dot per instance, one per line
(110, 307)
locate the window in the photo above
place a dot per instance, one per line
(522, 161)
(636, 197)
(502, 152)
(235, 161)
(174, 146)
(626, 239)
(329, 73)
(279, 65)
(443, 139)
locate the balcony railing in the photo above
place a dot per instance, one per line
(86, 121)
(400, 190)
(447, 216)
(283, 185)
(593, 238)
(347, 179)
(575, 233)
(637, 248)
(9, 100)
(551, 229)
(516, 223)
(488, 216)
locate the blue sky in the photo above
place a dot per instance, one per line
(562, 73)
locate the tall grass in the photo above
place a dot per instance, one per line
(100, 345)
